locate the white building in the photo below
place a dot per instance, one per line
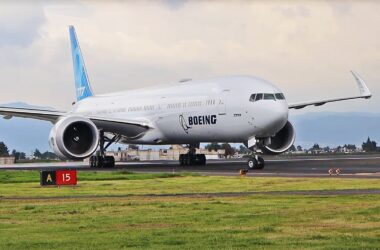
(7, 160)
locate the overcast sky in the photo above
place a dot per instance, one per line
(305, 47)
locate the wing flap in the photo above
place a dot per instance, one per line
(131, 129)
(365, 93)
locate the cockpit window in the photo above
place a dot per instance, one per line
(280, 96)
(269, 97)
(266, 96)
(259, 97)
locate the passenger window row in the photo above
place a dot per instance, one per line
(266, 96)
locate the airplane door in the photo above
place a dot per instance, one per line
(222, 105)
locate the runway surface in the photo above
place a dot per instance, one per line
(350, 166)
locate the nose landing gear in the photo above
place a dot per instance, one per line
(256, 162)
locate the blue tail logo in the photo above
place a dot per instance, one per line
(82, 84)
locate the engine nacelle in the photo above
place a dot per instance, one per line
(282, 141)
(74, 138)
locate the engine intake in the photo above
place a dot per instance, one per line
(282, 141)
(74, 138)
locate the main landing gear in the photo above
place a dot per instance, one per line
(192, 158)
(100, 160)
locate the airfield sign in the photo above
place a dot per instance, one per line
(58, 178)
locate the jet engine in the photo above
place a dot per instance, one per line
(281, 142)
(74, 138)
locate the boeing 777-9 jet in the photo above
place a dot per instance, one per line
(236, 109)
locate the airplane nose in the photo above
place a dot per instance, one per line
(280, 115)
(276, 118)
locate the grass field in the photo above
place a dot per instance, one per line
(87, 217)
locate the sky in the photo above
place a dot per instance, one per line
(306, 48)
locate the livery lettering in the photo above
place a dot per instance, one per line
(213, 119)
(207, 119)
(202, 120)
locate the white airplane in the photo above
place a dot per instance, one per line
(236, 109)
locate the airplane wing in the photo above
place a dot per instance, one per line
(364, 93)
(128, 128)
(39, 114)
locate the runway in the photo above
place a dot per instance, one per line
(350, 166)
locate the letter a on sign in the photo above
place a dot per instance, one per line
(48, 178)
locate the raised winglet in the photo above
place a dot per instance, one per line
(364, 90)
(365, 93)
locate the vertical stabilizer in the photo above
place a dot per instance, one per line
(82, 84)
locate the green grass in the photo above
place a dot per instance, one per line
(33, 176)
(138, 222)
(26, 183)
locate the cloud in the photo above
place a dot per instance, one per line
(175, 4)
(341, 8)
(305, 48)
(294, 11)
(20, 23)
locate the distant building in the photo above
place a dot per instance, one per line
(7, 160)
(162, 154)
(347, 150)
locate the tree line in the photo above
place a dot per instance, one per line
(4, 152)
(367, 146)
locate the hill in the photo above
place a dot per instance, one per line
(333, 129)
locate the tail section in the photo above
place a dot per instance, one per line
(82, 84)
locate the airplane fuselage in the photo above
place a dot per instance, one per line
(214, 110)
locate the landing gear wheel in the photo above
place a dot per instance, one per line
(187, 160)
(191, 159)
(252, 163)
(102, 162)
(98, 162)
(201, 159)
(92, 161)
(109, 162)
(181, 160)
(261, 163)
